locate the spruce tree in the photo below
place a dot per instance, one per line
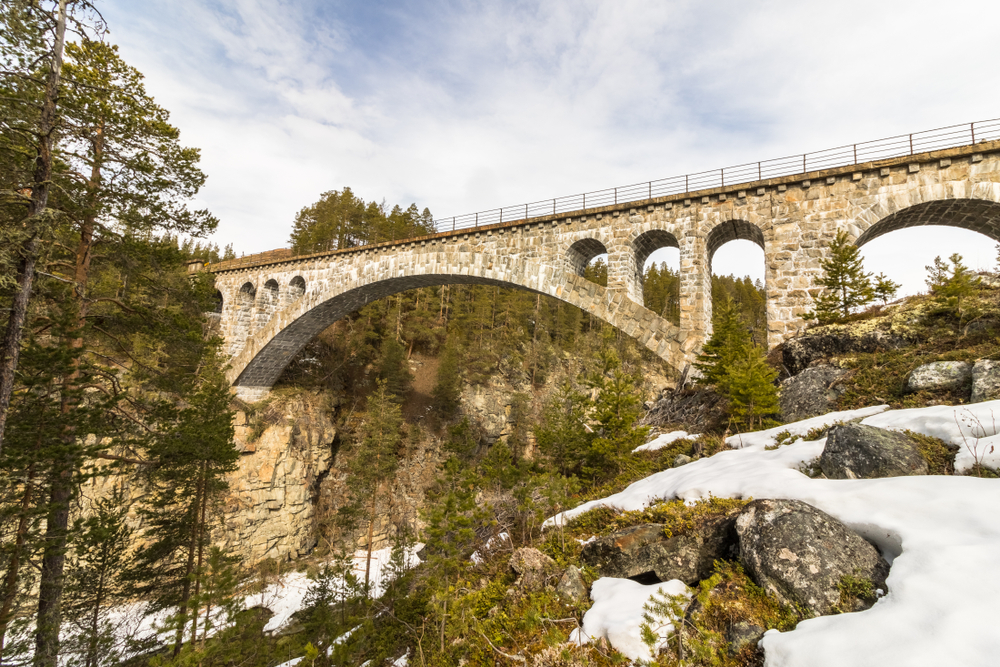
(845, 284)
(729, 342)
(751, 389)
(563, 434)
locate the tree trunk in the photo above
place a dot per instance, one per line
(49, 619)
(14, 566)
(200, 531)
(188, 570)
(10, 349)
(95, 621)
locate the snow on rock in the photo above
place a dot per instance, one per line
(617, 615)
(974, 428)
(940, 534)
(661, 441)
(769, 437)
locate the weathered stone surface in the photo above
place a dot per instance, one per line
(639, 550)
(985, 381)
(534, 569)
(856, 451)
(741, 633)
(681, 459)
(799, 554)
(811, 393)
(940, 375)
(798, 353)
(275, 304)
(571, 585)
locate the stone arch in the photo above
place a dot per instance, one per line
(296, 288)
(978, 215)
(642, 247)
(267, 303)
(732, 230)
(245, 298)
(263, 358)
(579, 254)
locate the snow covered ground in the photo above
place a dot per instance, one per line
(662, 441)
(941, 534)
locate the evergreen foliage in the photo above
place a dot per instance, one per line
(954, 286)
(846, 285)
(884, 289)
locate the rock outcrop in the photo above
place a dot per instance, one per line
(855, 451)
(571, 585)
(807, 558)
(940, 375)
(534, 569)
(811, 393)
(798, 353)
(640, 550)
(985, 381)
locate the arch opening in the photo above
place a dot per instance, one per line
(243, 316)
(737, 263)
(218, 302)
(902, 244)
(581, 253)
(658, 283)
(976, 215)
(267, 304)
(296, 288)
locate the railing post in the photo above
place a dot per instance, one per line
(972, 128)
(759, 177)
(803, 163)
(525, 211)
(501, 215)
(651, 189)
(553, 207)
(687, 188)
(584, 201)
(855, 153)
(911, 144)
(616, 196)
(722, 176)
(477, 219)
(453, 224)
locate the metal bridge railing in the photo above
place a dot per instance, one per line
(901, 145)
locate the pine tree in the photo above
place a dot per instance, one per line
(394, 370)
(377, 458)
(448, 387)
(952, 286)
(616, 408)
(564, 435)
(884, 288)
(845, 284)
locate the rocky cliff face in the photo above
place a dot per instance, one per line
(270, 511)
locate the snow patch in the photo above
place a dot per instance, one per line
(662, 441)
(940, 533)
(617, 615)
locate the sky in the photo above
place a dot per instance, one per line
(463, 106)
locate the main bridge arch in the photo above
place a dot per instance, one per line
(268, 350)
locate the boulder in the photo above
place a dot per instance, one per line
(810, 393)
(800, 555)
(940, 375)
(533, 568)
(856, 451)
(798, 353)
(640, 550)
(985, 381)
(571, 585)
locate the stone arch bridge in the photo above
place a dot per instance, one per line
(273, 304)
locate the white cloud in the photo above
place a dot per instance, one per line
(464, 106)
